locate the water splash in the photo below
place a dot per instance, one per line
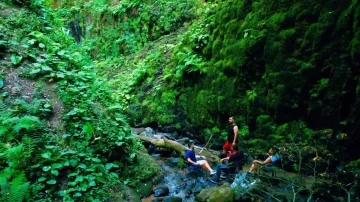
(242, 180)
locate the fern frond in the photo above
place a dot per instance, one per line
(5, 112)
(3, 130)
(15, 191)
(18, 188)
(23, 106)
(11, 120)
(5, 189)
(4, 184)
(29, 145)
(15, 156)
(26, 122)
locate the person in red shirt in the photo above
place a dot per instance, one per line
(235, 159)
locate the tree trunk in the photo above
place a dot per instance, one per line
(164, 143)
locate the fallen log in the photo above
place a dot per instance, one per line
(164, 143)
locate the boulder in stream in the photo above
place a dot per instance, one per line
(172, 199)
(223, 193)
(161, 191)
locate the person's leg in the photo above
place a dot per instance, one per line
(219, 168)
(254, 167)
(205, 165)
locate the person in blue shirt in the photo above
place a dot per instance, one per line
(190, 158)
(269, 160)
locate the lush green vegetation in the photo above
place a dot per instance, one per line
(285, 69)
(86, 154)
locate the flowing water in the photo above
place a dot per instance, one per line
(186, 185)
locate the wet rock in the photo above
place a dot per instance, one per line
(151, 149)
(161, 191)
(172, 199)
(187, 193)
(174, 160)
(224, 193)
(194, 174)
(148, 132)
(129, 195)
(142, 188)
(169, 129)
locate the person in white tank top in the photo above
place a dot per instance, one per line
(269, 160)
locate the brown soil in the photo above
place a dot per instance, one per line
(25, 89)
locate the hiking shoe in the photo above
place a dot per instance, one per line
(213, 180)
(213, 172)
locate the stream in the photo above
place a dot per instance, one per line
(179, 182)
(180, 185)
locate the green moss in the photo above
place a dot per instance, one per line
(217, 45)
(355, 48)
(287, 34)
(276, 21)
(256, 6)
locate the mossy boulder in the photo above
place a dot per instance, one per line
(224, 193)
(145, 174)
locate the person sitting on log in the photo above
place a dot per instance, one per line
(269, 160)
(192, 163)
(234, 160)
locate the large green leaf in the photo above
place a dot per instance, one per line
(88, 130)
(46, 155)
(51, 182)
(46, 168)
(15, 59)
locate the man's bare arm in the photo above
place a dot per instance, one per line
(235, 134)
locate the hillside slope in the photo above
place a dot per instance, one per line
(63, 138)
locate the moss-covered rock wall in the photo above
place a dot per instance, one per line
(289, 60)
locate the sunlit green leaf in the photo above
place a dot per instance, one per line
(83, 166)
(31, 41)
(119, 143)
(96, 160)
(88, 128)
(46, 155)
(61, 53)
(46, 68)
(55, 172)
(109, 166)
(51, 182)
(15, 59)
(92, 183)
(73, 162)
(79, 179)
(77, 194)
(35, 71)
(46, 168)
(56, 165)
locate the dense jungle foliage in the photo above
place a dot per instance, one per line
(75, 75)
